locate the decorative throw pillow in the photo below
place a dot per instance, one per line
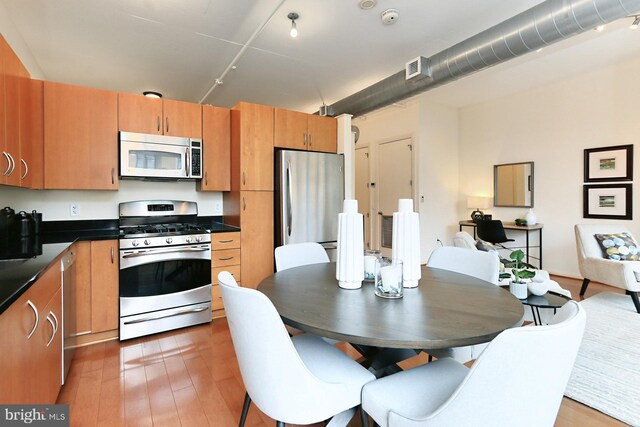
(481, 245)
(619, 246)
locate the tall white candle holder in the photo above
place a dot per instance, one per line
(350, 258)
(406, 242)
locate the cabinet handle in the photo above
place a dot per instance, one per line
(244, 179)
(13, 164)
(167, 123)
(56, 319)
(113, 177)
(158, 123)
(225, 259)
(112, 255)
(53, 333)
(244, 204)
(26, 169)
(310, 140)
(35, 325)
(8, 163)
(225, 241)
(206, 178)
(305, 138)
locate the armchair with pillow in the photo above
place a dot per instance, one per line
(608, 253)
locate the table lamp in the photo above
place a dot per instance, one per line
(477, 203)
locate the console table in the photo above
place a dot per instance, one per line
(512, 226)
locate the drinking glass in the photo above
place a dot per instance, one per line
(388, 278)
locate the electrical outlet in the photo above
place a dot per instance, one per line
(74, 209)
(218, 207)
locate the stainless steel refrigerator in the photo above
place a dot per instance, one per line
(309, 194)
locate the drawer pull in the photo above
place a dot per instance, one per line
(53, 331)
(35, 325)
(225, 259)
(225, 241)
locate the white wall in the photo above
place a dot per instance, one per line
(434, 131)
(17, 43)
(551, 126)
(54, 204)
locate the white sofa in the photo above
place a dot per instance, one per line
(593, 266)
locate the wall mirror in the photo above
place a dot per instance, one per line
(513, 185)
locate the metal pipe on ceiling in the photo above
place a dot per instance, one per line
(542, 25)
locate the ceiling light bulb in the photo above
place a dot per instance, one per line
(294, 28)
(539, 49)
(599, 28)
(636, 23)
(151, 94)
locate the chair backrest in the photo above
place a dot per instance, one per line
(491, 230)
(298, 254)
(273, 374)
(462, 239)
(587, 245)
(518, 380)
(482, 265)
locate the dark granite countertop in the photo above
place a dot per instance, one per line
(22, 263)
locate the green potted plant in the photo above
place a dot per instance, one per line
(518, 273)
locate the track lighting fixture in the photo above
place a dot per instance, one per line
(294, 28)
(152, 94)
(636, 23)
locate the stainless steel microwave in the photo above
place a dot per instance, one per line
(146, 156)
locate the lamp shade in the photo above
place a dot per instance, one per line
(478, 202)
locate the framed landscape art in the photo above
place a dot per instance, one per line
(607, 201)
(608, 163)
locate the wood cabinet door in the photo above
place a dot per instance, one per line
(12, 71)
(5, 163)
(216, 141)
(290, 129)
(82, 290)
(139, 113)
(50, 339)
(256, 248)
(104, 285)
(80, 138)
(254, 128)
(323, 134)
(182, 119)
(31, 133)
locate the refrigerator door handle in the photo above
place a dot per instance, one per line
(289, 198)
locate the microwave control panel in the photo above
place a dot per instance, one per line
(196, 159)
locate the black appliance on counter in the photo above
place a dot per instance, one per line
(19, 234)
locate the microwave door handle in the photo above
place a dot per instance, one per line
(186, 162)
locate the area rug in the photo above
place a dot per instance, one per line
(606, 375)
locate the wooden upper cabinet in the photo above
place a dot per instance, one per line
(323, 134)
(302, 131)
(290, 129)
(251, 147)
(216, 141)
(104, 285)
(32, 133)
(139, 113)
(182, 118)
(80, 138)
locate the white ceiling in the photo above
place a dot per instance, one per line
(179, 47)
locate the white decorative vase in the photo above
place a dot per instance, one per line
(531, 218)
(519, 290)
(350, 258)
(538, 288)
(406, 242)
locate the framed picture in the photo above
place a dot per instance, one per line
(607, 201)
(608, 163)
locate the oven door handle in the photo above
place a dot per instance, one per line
(164, 251)
(163, 316)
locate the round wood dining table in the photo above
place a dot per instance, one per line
(447, 309)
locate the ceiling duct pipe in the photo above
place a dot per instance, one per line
(540, 26)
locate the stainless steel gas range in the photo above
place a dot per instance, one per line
(165, 267)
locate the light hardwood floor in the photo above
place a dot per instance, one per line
(190, 377)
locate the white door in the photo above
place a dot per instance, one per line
(394, 181)
(362, 191)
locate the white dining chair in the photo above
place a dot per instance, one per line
(481, 265)
(518, 380)
(299, 254)
(294, 380)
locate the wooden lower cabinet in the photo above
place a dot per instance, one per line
(225, 256)
(31, 351)
(104, 285)
(256, 248)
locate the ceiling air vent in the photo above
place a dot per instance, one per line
(417, 69)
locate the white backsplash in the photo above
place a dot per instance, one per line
(54, 204)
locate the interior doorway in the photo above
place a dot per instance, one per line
(362, 185)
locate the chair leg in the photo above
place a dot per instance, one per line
(245, 409)
(636, 301)
(583, 289)
(364, 418)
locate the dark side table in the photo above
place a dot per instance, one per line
(549, 300)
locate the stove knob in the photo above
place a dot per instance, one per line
(188, 239)
(147, 242)
(169, 240)
(135, 243)
(198, 238)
